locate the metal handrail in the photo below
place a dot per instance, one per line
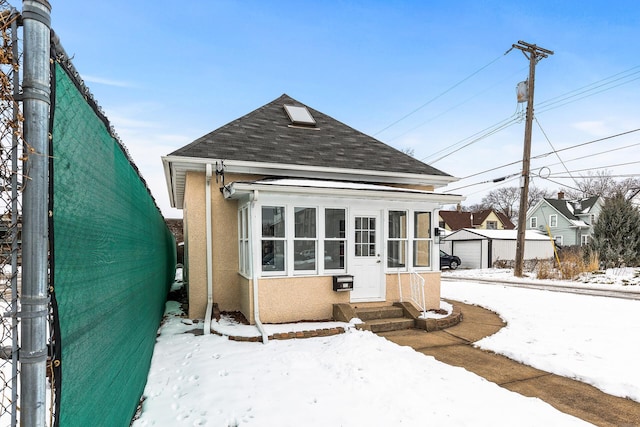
(417, 291)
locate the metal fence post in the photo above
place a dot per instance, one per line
(35, 238)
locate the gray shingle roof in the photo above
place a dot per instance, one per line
(572, 208)
(267, 135)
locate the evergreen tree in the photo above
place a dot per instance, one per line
(616, 233)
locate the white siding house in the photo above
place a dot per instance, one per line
(482, 248)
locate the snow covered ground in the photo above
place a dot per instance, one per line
(360, 379)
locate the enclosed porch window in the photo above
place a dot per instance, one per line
(397, 239)
(273, 238)
(422, 240)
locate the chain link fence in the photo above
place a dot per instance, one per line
(10, 225)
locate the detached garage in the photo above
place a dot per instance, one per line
(481, 248)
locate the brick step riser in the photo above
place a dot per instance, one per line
(392, 326)
(386, 313)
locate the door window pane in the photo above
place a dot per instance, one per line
(365, 236)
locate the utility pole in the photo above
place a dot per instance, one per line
(534, 54)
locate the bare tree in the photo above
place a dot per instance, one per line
(476, 207)
(600, 183)
(536, 194)
(505, 200)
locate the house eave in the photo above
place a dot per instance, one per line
(238, 190)
(176, 168)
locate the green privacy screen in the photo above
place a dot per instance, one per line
(113, 261)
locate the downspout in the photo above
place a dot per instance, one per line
(207, 198)
(254, 268)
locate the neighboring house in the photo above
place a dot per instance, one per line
(478, 248)
(284, 200)
(487, 219)
(569, 222)
(633, 196)
(177, 229)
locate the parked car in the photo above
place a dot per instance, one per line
(450, 261)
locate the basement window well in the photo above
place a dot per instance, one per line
(299, 115)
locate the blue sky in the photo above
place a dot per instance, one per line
(167, 73)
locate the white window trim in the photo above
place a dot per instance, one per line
(286, 239)
(553, 217)
(406, 240)
(244, 241)
(533, 222)
(413, 240)
(290, 203)
(323, 239)
(559, 240)
(291, 256)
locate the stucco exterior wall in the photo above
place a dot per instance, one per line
(227, 292)
(281, 299)
(290, 299)
(195, 244)
(246, 298)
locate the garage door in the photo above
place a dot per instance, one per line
(469, 252)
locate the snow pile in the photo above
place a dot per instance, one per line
(352, 379)
(627, 279)
(592, 339)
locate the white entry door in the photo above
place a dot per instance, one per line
(366, 261)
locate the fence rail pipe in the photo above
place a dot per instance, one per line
(36, 16)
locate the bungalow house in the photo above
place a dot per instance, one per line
(486, 219)
(569, 222)
(286, 207)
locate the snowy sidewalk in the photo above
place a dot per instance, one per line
(454, 347)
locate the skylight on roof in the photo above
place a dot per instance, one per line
(299, 115)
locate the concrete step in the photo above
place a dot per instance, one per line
(387, 325)
(372, 313)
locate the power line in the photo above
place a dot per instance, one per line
(441, 94)
(515, 118)
(453, 107)
(551, 104)
(605, 167)
(540, 156)
(552, 147)
(480, 138)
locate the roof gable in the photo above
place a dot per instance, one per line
(456, 220)
(572, 209)
(267, 135)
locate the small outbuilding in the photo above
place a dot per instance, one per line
(482, 248)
